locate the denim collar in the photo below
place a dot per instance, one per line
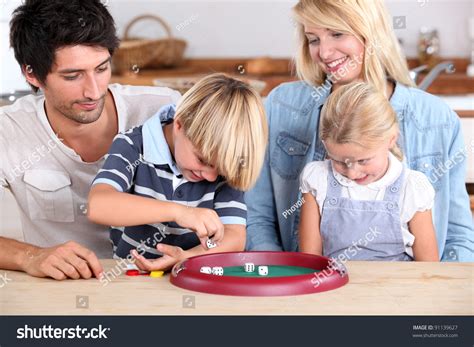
(399, 97)
(320, 93)
(155, 147)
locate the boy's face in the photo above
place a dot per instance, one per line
(189, 160)
(76, 87)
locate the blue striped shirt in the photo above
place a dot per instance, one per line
(140, 163)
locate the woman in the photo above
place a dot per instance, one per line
(341, 42)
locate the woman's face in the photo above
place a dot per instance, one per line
(339, 55)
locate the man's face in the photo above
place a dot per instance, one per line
(77, 85)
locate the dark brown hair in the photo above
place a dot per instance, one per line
(40, 27)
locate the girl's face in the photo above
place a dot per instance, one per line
(339, 55)
(358, 163)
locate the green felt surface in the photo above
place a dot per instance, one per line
(273, 271)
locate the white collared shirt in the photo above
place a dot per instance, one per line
(49, 180)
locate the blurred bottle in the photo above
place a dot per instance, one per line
(428, 47)
(470, 68)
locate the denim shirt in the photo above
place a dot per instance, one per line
(430, 138)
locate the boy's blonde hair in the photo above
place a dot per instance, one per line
(357, 113)
(370, 22)
(225, 120)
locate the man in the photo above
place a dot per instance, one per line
(53, 145)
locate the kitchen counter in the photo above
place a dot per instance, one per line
(277, 71)
(374, 288)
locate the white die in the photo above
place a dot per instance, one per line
(263, 270)
(249, 267)
(218, 270)
(206, 270)
(210, 244)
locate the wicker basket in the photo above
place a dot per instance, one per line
(137, 53)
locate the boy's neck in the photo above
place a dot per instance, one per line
(168, 132)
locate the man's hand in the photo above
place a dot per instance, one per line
(69, 260)
(171, 255)
(203, 221)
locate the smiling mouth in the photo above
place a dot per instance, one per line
(196, 177)
(335, 64)
(361, 179)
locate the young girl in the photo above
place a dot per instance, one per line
(364, 203)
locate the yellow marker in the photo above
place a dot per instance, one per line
(157, 274)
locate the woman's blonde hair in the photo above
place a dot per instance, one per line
(369, 21)
(225, 120)
(357, 113)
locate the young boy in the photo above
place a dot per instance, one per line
(179, 183)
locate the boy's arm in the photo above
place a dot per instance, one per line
(309, 232)
(425, 247)
(110, 207)
(230, 207)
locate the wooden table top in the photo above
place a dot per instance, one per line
(375, 288)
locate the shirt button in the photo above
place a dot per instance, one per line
(390, 206)
(393, 189)
(333, 183)
(333, 201)
(179, 194)
(426, 165)
(291, 149)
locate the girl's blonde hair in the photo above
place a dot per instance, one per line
(225, 120)
(369, 21)
(357, 113)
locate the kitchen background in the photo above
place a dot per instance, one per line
(247, 28)
(235, 35)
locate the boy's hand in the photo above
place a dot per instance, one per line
(171, 255)
(203, 221)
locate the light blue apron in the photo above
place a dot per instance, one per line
(362, 230)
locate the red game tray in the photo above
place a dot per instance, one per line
(318, 274)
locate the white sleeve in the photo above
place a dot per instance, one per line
(3, 150)
(419, 195)
(3, 177)
(3, 181)
(314, 180)
(304, 177)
